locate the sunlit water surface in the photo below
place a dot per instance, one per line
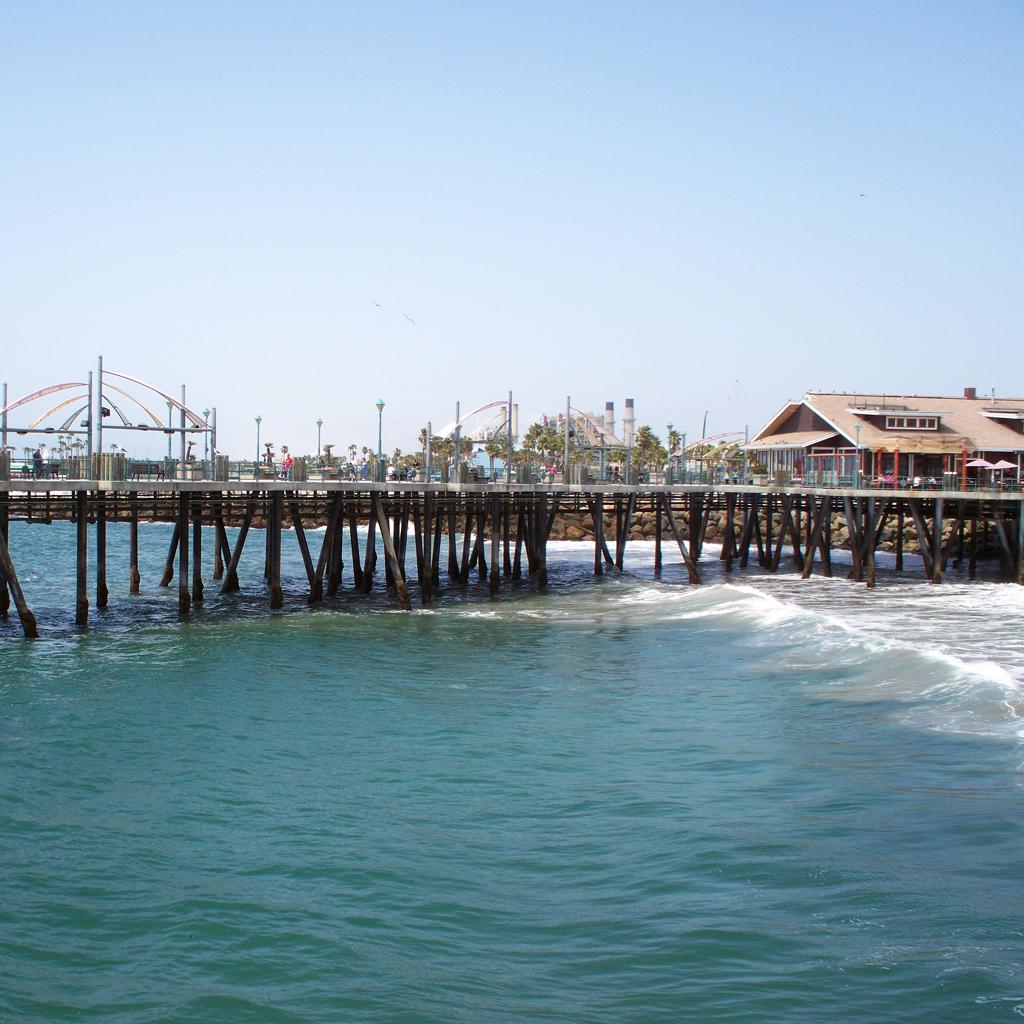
(627, 800)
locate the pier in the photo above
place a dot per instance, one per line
(492, 532)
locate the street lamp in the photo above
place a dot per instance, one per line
(319, 424)
(380, 453)
(259, 420)
(206, 436)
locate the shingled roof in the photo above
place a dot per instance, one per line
(974, 424)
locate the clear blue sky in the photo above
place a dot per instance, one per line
(657, 201)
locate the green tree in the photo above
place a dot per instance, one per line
(648, 451)
(675, 439)
(543, 440)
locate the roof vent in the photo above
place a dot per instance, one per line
(971, 393)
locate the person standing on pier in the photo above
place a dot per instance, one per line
(37, 463)
(286, 465)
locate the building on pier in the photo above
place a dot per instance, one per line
(831, 437)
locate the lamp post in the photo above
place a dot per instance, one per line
(259, 420)
(206, 436)
(319, 449)
(380, 452)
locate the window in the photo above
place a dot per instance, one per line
(911, 423)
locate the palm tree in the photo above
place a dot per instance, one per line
(648, 452)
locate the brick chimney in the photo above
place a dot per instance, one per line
(971, 393)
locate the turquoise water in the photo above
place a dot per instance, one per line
(624, 801)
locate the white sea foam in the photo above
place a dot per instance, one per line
(949, 656)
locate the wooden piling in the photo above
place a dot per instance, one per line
(9, 584)
(220, 537)
(5, 598)
(542, 542)
(390, 555)
(370, 559)
(899, 538)
(435, 555)
(168, 573)
(231, 576)
(517, 559)
(972, 563)
(274, 544)
(134, 577)
(307, 559)
(657, 534)
(1020, 544)
(495, 545)
(506, 522)
(102, 593)
(82, 562)
(197, 550)
(869, 543)
(937, 559)
(184, 598)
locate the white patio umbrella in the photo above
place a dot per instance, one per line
(979, 464)
(1001, 464)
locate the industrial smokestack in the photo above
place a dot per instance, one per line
(628, 424)
(609, 417)
(515, 422)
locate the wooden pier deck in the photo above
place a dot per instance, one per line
(492, 530)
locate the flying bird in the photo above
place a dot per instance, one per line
(862, 196)
(376, 303)
(409, 318)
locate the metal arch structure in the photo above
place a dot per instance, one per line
(197, 421)
(586, 425)
(712, 441)
(98, 402)
(483, 430)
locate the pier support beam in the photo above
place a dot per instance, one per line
(102, 593)
(495, 545)
(1020, 544)
(601, 553)
(353, 536)
(134, 578)
(691, 565)
(869, 545)
(274, 546)
(82, 560)
(937, 555)
(184, 598)
(331, 550)
(220, 543)
(197, 551)
(5, 597)
(307, 559)
(542, 542)
(231, 577)
(657, 534)
(390, 555)
(168, 573)
(424, 547)
(9, 584)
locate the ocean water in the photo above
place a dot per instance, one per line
(627, 800)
